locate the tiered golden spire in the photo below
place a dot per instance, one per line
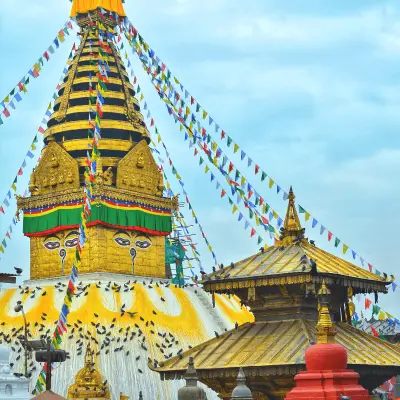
(88, 381)
(292, 229)
(325, 329)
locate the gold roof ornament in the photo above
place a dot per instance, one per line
(292, 229)
(88, 381)
(325, 330)
(84, 6)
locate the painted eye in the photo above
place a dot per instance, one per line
(71, 242)
(143, 244)
(52, 245)
(122, 241)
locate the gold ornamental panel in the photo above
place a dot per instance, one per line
(57, 171)
(79, 94)
(86, 79)
(138, 171)
(108, 250)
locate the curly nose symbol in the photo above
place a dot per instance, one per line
(63, 254)
(132, 252)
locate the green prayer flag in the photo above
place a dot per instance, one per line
(251, 213)
(237, 175)
(229, 141)
(259, 240)
(201, 160)
(197, 107)
(301, 210)
(263, 176)
(375, 309)
(377, 272)
(1, 121)
(4, 243)
(337, 241)
(230, 201)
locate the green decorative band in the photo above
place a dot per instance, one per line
(140, 218)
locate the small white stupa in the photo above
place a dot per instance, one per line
(11, 387)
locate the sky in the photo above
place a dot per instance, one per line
(309, 89)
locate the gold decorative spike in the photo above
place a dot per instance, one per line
(292, 229)
(122, 397)
(88, 381)
(325, 329)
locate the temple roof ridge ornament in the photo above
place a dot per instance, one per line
(292, 230)
(325, 329)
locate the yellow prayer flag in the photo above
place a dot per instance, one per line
(6, 99)
(276, 216)
(307, 216)
(235, 148)
(207, 169)
(389, 315)
(141, 97)
(14, 187)
(271, 183)
(178, 177)
(1, 248)
(187, 110)
(180, 127)
(214, 146)
(234, 209)
(33, 147)
(242, 180)
(257, 220)
(205, 114)
(382, 316)
(345, 248)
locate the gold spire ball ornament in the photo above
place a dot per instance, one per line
(89, 384)
(85, 6)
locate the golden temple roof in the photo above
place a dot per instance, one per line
(289, 262)
(84, 6)
(277, 344)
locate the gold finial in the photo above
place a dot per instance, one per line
(89, 361)
(122, 397)
(325, 329)
(291, 228)
(84, 6)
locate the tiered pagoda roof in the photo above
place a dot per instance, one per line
(280, 284)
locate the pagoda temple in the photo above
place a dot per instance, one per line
(280, 285)
(123, 302)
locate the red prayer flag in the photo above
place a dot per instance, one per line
(46, 55)
(370, 267)
(223, 193)
(191, 100)
(20, 172)
(163, 67)
(8, 235)
(195, 152)
(6, 112)
(253, 232)
(230, 167)
(203, 132)
(261, 201)
(250, 194)
(41, 130)
(223, 134)
(257, 168)
(329, 236)
(152, 122)
(374, 332)
(264, 220)
(367, 303)
(2, 209)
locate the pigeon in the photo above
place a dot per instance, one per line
(18, 270)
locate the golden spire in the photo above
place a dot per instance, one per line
(325, 329)
(84, 6)
(88, 381)
(291, 228)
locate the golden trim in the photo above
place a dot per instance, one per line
(85, 109)
(86, 79)
(99, 190)
(109, 94)
(106, 58)
(105, 124)
(104, 144)
(107, 161)
(92, 68)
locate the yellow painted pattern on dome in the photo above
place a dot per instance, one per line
(240, 316)
(84, 6)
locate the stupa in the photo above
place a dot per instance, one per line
(280, 285)
(124, 304)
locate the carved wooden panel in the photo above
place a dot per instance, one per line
(57, 171)
(139, 172)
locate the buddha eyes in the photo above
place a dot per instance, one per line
(122, 241)
(125, 242)
(143, 244)
(71, 242)
(52, 245)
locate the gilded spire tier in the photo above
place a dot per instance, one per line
(85, 6)
(122, 124)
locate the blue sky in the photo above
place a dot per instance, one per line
(309, 89)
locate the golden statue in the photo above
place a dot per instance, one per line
(88, 381)
(140, 161)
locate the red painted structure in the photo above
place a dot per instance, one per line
(327, 376)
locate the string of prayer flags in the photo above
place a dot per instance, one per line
(30, 154)
(179, 178)
(14, 97)
(173, 111)
(89, 182)
(163, 83)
